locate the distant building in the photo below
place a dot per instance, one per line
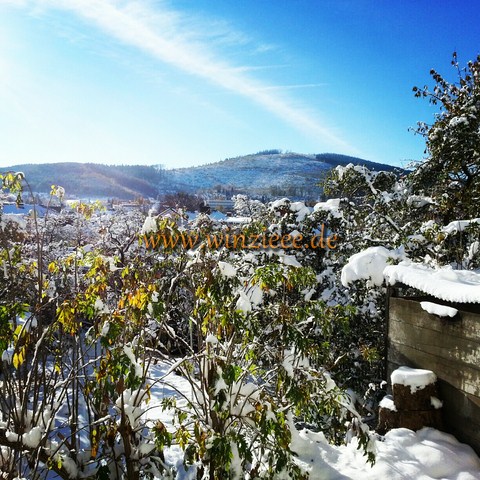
(170, 212)
(126, 206)
(221, 205)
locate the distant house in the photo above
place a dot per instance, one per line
(127, 206)
(130, 206)
(169, 212)
(222, 205)
(180, 217)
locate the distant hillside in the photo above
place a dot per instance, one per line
(269, 173)
(95, 180)
(266, 173)
(335, 159)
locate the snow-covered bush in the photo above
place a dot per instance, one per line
(76, 334)
(245, 207)
(259, 365)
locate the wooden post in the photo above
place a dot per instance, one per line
(414, 404)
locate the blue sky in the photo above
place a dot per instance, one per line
(188, 82)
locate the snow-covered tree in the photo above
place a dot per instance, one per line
(450, 174)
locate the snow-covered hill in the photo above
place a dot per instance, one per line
(293, 174)
(266, 173)
(253, 172)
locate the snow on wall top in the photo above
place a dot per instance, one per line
(462, 286)
(440, 310)
(415, 378)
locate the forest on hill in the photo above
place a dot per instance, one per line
(268, 173)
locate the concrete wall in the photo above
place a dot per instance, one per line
(450, 348)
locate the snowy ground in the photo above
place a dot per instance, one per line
(400, 455)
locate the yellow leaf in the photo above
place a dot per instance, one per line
(149, 395)
(15, 361)
(19, 332)
(18, 358)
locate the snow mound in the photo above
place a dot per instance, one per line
(388, 403)
(332, 206)
(401, 455)
(369, 264)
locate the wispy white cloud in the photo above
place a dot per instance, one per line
(190, 46)
(253, 68)
(265, 47)
(295, 87)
